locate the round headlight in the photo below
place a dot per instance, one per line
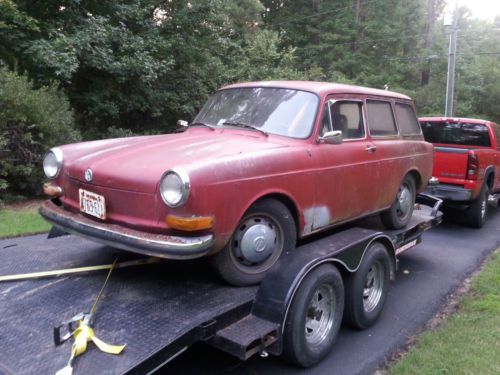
(174, 187)
(52, 162)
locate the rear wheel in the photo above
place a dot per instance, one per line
(266, 231)
(366, 289)
(399, 214)
(477, 211)
(314, 318)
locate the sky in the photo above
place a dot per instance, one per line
(485, 9)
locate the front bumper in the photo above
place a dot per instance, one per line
(449, 192)
(159, 245)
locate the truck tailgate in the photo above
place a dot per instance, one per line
(450, 162)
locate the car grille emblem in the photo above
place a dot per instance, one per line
(88, 175)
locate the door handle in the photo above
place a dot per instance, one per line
(371, 148)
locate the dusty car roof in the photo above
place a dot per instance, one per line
(454, 119)
(321, 88)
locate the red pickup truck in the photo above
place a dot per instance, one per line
(466, 163)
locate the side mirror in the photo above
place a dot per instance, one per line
(333, 138)
(182, 123)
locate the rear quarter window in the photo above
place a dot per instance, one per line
(456, 133)
(407, 120)
(380, 118)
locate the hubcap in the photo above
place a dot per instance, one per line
(320, 315)
(374, 284)
(404, 200)
(257, 243)
(483, 207)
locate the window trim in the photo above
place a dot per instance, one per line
(390, 136)
(330, 102)
(396, 102)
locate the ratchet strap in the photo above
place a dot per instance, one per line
(66, 271)
(84, 333)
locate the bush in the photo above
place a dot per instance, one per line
(31, 121)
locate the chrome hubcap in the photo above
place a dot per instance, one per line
(320, 315)
(404, 200)
(374, 284)
(483, 207)
(257, 240)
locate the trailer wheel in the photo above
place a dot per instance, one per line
(366, 289)
(266, 231)
(399, 214)
(314, 318)
(477, 211)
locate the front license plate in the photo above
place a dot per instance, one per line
(92, 204)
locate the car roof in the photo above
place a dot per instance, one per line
(454, 119)
(320, 88)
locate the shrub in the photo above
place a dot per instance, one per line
(31, 121)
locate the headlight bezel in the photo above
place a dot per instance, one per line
(185, 184)
(59, 158)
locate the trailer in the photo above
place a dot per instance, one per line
(160, 309)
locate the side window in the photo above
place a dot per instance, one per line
(347, 117)
(407, 120)
(380, 118)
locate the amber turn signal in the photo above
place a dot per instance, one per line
(52, 191)
(190, 223)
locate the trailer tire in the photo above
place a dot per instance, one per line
(314, 318)
(366, 289)
(478, 210)
(249, 254)
(399, 214)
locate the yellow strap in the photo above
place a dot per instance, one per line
(84, 334)
(34, 275)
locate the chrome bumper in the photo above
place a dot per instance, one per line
(449, 192)
(159, 245)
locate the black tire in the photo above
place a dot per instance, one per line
(366, 289)
(399, 214)
(306, 344)
(273, 232)
(478, 210)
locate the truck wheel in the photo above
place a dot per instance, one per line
(477, 211)
(266, 231)
(314, 317)
(399, 214)
(366, 289)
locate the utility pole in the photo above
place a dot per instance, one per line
(450, 82)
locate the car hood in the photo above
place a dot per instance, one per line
(137, 164)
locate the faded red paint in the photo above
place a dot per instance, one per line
(230, 169)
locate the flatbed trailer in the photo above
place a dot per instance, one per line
(159, 310)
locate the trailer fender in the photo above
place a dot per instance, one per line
(345, 250)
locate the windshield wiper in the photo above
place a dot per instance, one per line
(246, 126)
(203, 124)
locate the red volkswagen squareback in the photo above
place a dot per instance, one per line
(262, 165)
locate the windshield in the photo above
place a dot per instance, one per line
(456, 133)
(278, 111)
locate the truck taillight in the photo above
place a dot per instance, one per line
(472, 166)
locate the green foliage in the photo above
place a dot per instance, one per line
(31, 121)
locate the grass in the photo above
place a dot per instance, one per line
(468, 342)
(20, 222)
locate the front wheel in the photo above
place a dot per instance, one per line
(314, 318)
(399, 214)
(366, 289)
(266, 231)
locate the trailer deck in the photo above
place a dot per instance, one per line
(158, 310)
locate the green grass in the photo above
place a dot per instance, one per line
(21, 222)
(468, 342)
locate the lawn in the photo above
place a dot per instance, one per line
(21, 221)
(468, 342)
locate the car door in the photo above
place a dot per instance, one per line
(496, 130)
(345, 173)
